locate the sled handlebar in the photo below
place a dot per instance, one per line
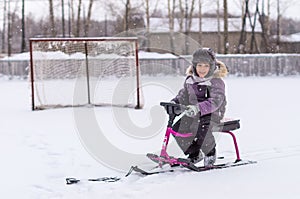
(172, 108)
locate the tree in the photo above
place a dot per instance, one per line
(78, 19)
(226, 44)
(51, 15)
(126, 17)
(23, 45)
(190, 15)
(63, 17)
(71, 17)
(265, 26)
(9, 30)
(148, 15)
(243, 35)
(253, 39)
(182, 15)
(4, 26)
(88, 21)
(219, 26)
(278, 33)
(186, 16)
(147, 9)
(200, 22)
(171, 15)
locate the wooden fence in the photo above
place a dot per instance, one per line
(239, 65)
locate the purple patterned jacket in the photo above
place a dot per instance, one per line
(208, 93)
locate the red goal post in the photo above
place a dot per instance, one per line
(73, 72)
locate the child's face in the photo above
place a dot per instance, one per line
(202, 69)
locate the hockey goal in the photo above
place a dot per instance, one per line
(71, 72)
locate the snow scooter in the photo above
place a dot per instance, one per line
(178, 110)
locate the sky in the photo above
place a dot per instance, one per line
(39, 8)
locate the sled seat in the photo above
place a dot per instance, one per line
(228, 126)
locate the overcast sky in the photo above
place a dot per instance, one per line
(40, 8)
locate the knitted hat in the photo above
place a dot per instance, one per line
(204, 55)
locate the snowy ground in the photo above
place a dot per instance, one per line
(40, 149)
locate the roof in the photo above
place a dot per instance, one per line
(290, 38)
(208, 25)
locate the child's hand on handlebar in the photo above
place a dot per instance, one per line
(192, 110)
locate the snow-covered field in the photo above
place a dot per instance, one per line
(40, 149)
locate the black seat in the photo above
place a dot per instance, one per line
(228, 126)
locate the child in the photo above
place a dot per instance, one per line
(204, 95)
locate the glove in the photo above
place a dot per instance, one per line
(192, 110)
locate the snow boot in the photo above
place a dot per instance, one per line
(210, 158)
(195, 157)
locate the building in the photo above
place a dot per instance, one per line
(160, 35)
(290, 43)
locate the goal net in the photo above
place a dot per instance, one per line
(70, 72)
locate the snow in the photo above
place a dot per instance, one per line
(39, 149)
(19, 56)
(142, 55)
(290, 38)
(58, 55)
(155, 55)
(61, 55)
(208, 25)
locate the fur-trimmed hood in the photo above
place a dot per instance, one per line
(221, 70)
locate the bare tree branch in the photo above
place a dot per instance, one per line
(88, 21)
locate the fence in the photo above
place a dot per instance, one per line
(17, 68)
(239, 65)
(262, 64)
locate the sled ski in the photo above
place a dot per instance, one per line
(144, 172)
(193, 167)
(70, 181)
(190, 166)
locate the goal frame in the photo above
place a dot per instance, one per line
(87, 39)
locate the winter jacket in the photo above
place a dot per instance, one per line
(207, 93)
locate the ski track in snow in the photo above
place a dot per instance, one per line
(274, 153)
